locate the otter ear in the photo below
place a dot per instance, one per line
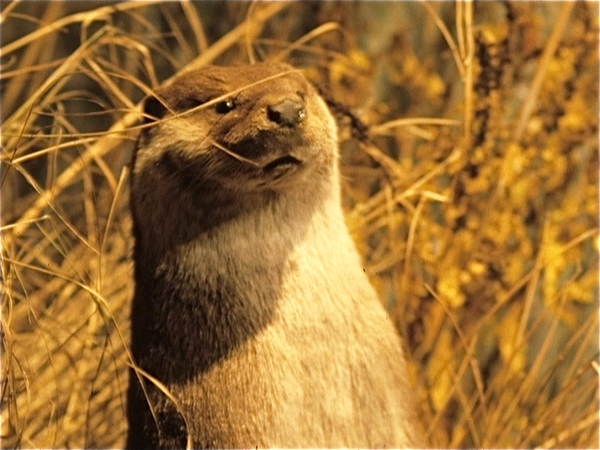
(153, 109)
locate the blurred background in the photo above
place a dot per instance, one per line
(469, 153)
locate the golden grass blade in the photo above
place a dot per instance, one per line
(460, 32)
(536, 85)
(143, 374)
(469, 71)
(88, 16)
(196, 24)
(447, 36)
(397, 123)
(176, 31)
(40, 192)
(469, 358)
(31, 56)
(531, 289)
(112, 140)
(8, 10)
(325, 28)
(251, 28)
(124, 175)
(591, 420)
(15, 121)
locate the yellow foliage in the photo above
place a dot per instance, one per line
(513, 352)
(449, 287)
(513, 163)
(439, 371)
(339, 67)
(583, 290)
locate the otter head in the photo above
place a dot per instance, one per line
(220, 140)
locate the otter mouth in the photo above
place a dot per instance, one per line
(282, 162)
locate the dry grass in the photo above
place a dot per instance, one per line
(471, 191)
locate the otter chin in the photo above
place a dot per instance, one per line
(251, 306)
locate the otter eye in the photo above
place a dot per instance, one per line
(225, 106)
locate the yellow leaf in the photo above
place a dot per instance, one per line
(477, 267)
(435, 86)
(360, 59)
(512, 163)
(583, 290)
(449, 287)
(507, 333)
(439, 371)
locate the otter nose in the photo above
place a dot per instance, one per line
(287, 113)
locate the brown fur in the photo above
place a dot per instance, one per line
(251, 305)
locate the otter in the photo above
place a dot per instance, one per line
(251, 306)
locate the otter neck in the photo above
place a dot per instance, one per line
(225, 283)
(171, 211)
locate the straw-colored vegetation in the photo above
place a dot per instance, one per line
(470, 162)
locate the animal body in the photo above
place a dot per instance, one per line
(251, 305)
